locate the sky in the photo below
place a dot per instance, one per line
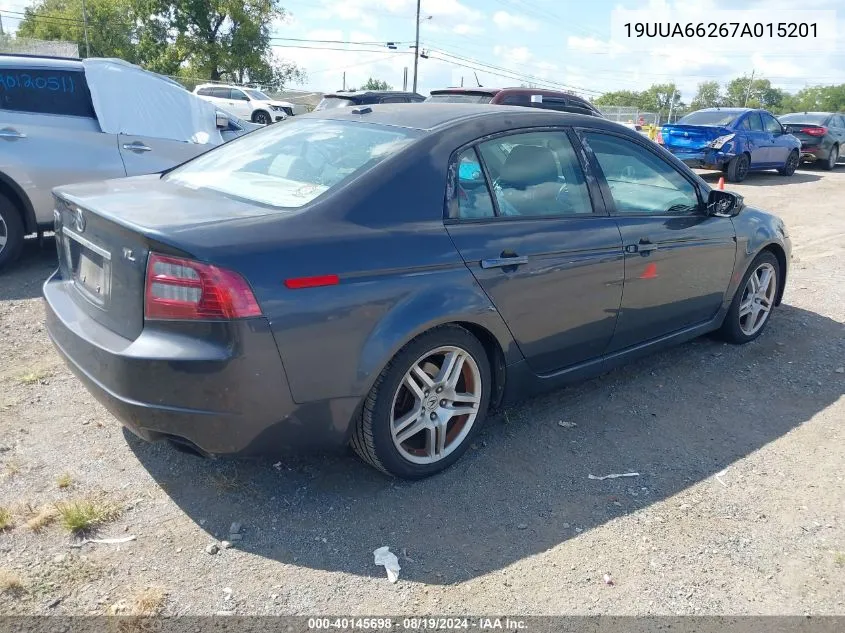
(554, 43)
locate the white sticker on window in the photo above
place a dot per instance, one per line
(536, 98)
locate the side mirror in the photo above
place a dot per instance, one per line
(724, 204)
(222, 121)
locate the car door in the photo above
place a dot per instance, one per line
(537, 239)
(678, 259)
(49, 135)
(241, 103)
(757, 140)
(149, 155)
(780, 141)
(838, 125)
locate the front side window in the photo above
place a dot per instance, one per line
(290, 165)
(258, 95)
(238, 95)
(45, 91)
(772, 126)
(641, 182)
(536, 174)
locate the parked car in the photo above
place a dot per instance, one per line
(733, 140)
(384, 276)
(366, 97)
(822, 135)
(248, 103)
(529, 97)
(64, 121)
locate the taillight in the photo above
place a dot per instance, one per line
(660, 138)
(814, 131)
(178, 288)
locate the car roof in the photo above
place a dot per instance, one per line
(8, 60)
(518, 89)
(357, 94)
(731, 110)
(429, 116)
(808, 112)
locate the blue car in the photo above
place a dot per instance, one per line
(732, 140)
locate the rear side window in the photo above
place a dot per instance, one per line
(473, 196)
(754, 122)
(45, 91)
(221, 93)
(204, 92)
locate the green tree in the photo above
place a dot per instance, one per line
(708, 96)
(373, 84)
(623, 98)
(816, 98)
(759, 93)
(661, 98)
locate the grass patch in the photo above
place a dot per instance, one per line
(10, 582)
(839, 559)
(147, 602)
(64, 481)
(41, 518)
(84, 515)
(34, 377)
(6, 519)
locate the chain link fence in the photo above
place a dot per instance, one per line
(29, 46)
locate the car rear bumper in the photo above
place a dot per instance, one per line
(813, 153)
(218, 388)
(703, 159)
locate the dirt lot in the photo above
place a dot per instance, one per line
(737, 509)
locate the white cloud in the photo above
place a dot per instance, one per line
(505, 20)
(593, 45)
(448, 9)
(519, 54)
(466, 29)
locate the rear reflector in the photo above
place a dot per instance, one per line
(179, 288)
(814, 131)
(312, 282)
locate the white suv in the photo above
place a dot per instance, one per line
(246, 103)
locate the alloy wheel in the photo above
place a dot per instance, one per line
(262, 119)
(833, 158)
(4, 233)
(758, 298)
(792, 163)
(436, 405)
(742, 168)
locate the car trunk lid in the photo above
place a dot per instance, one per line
(690, 137)
(802, 131)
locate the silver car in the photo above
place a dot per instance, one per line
(64, 121)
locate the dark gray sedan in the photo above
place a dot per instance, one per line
(384, 276)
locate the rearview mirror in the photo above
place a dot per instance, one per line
(222, 121)
(724, 203)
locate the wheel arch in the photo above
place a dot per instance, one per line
(777, 250)
(17, 196)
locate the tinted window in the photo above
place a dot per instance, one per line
(205, 92)
(517, 99)
(536, 174)
(708, 117)
(799, 118)
(221, 93)
(289, 165)
(639, 180)
(472, 195)
(394, 100)
(258, 95)
(239, 95)
(459, 98)
(754, 122)
(45, 91)
(772, 126)
(328, 103)
(839, 122)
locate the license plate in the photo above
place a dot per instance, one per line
(91, 276)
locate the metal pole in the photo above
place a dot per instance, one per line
(417, 46)
(405, 80)
(748, 91)
(344, 80)
(85, 26)
(1, 24)
(672, 105)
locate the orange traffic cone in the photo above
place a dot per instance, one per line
(721, 183)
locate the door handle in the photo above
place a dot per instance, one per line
(644, 247)
(504, 261)
(137, 147)
(10, 133)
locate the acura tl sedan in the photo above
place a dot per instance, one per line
(383, 276)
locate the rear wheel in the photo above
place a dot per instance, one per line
(11, 232)
(738, 168)
(832, 158)
(790, 166)
(754, 300)
(426, 406)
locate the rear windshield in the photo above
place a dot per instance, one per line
(289, 165)
(459, 98)
(709, 118)
(328, 103)
(802, 118)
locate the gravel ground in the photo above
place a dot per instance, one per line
(737, 509)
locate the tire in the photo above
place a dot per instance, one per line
(738, 168)
(737, 328)
(791, 164)
(261, 117)
(391, 399)
(11, 232)
(832, 158)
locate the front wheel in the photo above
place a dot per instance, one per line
(738, 168)
(426, 406)
(832, 158)
(790, 166)
(754, 300)
(261, 117)
(11, 232)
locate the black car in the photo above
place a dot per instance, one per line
(528, 97)
(384, 276)
(366, 97)
(822, 135)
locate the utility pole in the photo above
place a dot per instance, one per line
(748, 90)
(344, 80)
(1, 24)
(671, 105)
(85, 26)
(405, 80)
(417, 46)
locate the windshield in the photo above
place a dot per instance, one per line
(290, 165)
(713, 117)
(459, 98)
(333, 102)
(258, 95)
(805, 118)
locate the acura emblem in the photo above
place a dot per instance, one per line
(80, 221)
